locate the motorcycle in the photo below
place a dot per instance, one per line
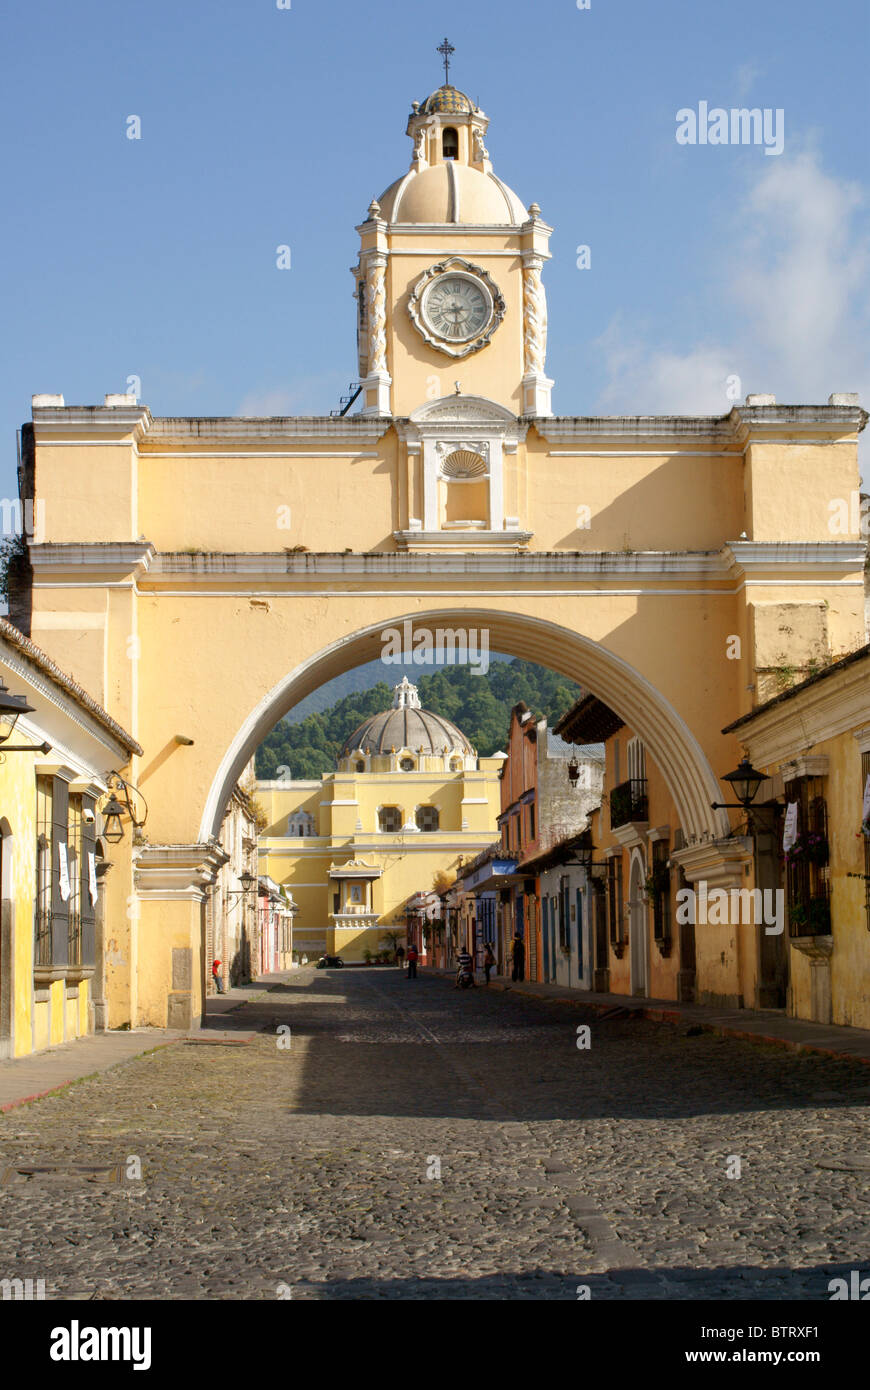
(465, 978)
(329, 962)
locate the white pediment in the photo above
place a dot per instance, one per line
(460, 410)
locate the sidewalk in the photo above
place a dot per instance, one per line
(23, 1079)
(751, 1025)
(29, 1078)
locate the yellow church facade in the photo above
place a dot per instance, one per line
(200, 576)
(410, 798)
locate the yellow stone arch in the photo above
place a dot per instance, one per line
(671, 742)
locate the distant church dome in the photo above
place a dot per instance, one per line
(407, 725)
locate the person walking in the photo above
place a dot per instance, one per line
(518, 957)
(488, 960)
(412, 962)
(400, 956)
(216, 976)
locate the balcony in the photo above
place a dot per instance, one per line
(628, 803)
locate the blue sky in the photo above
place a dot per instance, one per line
(263, 126)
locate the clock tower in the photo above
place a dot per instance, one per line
(448, 285)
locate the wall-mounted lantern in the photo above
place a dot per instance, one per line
(10, 708)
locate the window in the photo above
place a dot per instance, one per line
(564, 898)
(660, 887)
(455, 764)
(74, 868)
(359, 767)
(63, 928)
(636, 760)
(44, 789)
(807, 872)
(389, 819)
(614, 903)
(450, 143)
(407, 764)
(427, 818)
(865, 774)
(531, 820)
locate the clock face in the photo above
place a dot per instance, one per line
(457, 307)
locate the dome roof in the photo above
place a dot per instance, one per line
(448, 99)
(409, 726)
(452, 193)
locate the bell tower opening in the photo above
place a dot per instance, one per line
(450, 143)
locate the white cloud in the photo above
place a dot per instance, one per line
(795, 294)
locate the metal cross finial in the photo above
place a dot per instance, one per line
(446, 48)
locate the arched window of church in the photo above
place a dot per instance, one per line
(407, 764)
(455, 764)
(359, 767)
(450, 143)
(427, 818)
(389, 819)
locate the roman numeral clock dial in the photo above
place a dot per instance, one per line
(456, 310)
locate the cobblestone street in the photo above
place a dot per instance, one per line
(312, 1171)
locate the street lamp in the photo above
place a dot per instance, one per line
(113, 830)
(584, 851)
(10, 708)
(745, 781)
(247, 880)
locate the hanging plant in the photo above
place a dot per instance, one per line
(809, 848)
(811, 918)
(657, 882)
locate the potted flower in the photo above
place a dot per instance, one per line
(809, 848)
(811, 918)
(657, 882)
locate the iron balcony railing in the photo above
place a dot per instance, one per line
(628, 802)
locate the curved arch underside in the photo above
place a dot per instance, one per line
(671, 743)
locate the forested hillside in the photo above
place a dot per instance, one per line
(479, 705)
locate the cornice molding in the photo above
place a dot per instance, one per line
(824, 710)
(719, 863)
(165, 872)
(113, 560)
(742, 424)
(746, 555)
(464, 554)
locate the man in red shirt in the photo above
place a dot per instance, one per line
(412, 962)
(216, 976)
